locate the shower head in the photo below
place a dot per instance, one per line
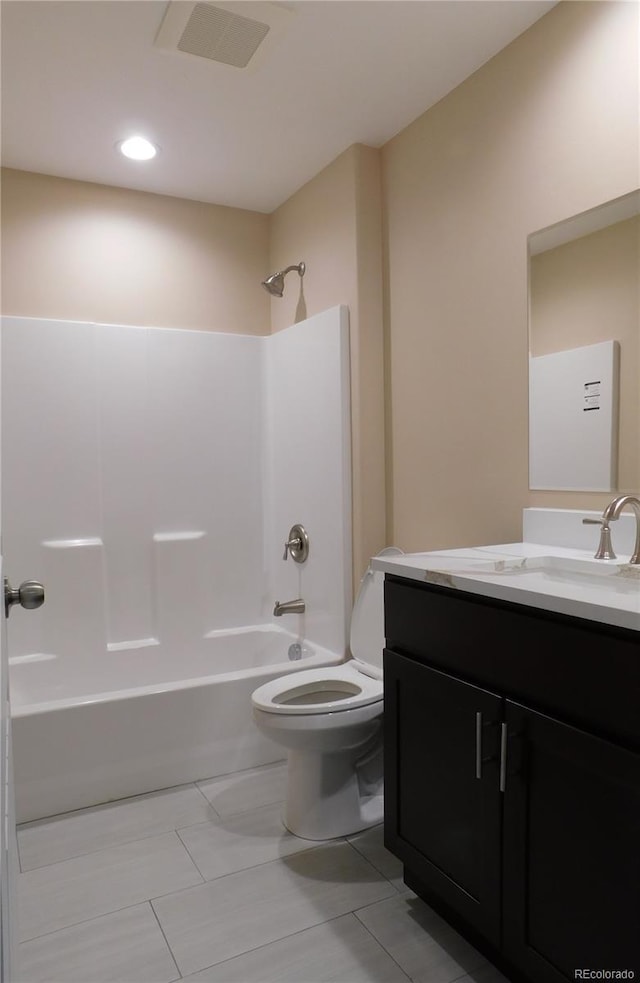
(274, 284)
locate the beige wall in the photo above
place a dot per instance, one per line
(527, 141)
(587, 291)
(86, 252)
(333, 224)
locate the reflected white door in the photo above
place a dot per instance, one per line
(8, 841)
(29, 595)
(8, 847)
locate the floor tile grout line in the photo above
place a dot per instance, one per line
(291, 935)
(382, 946)
(240, 870)
(115, 846)
(103, 806)
(112, 911)
(456, 979)
(191, 857)
(84, 921)
(175, 961)
(243, 812)
(372, 865)
(230, 817)
(370, 861)
(208, 801)
(18, 853)
(238, 812)
(243, 771)
(317, 845)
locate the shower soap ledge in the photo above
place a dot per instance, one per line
(66, 544)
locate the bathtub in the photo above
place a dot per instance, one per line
(143, 719)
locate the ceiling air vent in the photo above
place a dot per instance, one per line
(228, 33)
(217, 34)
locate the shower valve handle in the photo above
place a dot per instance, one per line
(297, 544)
(292, 544)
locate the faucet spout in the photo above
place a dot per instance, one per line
(612, 512)
(289, 607)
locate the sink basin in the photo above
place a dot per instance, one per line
(564, 568)
(581, 567)
(607, 576)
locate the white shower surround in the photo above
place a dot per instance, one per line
(151, 486)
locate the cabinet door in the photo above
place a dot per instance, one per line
(442, 820)
(571, 850)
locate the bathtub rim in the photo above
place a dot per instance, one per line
(320, 657)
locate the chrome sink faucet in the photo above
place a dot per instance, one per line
(612, 512)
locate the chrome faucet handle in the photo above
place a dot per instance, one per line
(605, 549)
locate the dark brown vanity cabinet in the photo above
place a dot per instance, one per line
(512, 777)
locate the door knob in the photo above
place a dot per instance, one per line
(30, 594)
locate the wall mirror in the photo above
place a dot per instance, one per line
(584, 350)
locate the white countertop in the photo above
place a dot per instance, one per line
(552, 578)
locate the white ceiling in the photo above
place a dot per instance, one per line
(80, 75)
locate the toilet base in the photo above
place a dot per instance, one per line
(332, 795)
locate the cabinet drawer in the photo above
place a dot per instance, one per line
(584, 672)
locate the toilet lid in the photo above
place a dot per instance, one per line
(367, 619)
(325, 690)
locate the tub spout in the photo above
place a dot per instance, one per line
(289, 607)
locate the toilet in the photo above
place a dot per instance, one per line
(330, 721)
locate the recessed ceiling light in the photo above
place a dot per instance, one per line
(138, 148)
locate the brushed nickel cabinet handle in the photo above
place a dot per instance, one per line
(479, 744)
(503, 757)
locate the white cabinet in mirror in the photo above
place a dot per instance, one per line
(584, 348)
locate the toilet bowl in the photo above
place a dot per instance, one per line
(330, 721)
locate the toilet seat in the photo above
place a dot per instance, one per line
(327, 690)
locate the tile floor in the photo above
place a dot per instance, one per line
(203, 883)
